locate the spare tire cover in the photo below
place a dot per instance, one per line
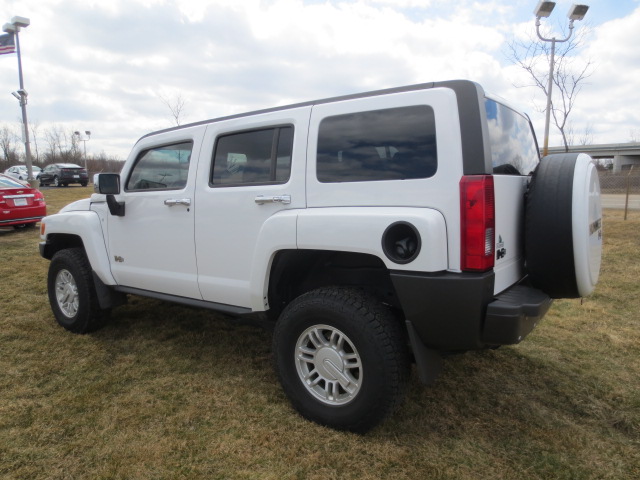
(563, 226)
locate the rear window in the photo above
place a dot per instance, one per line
(513, 146)
(6, 182)
(389, 144)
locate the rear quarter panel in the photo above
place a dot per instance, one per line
(361, 230)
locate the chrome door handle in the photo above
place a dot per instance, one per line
(261, 199)
(170, 202)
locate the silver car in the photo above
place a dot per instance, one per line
(20, 172)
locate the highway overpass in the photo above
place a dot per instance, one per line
(622, 154)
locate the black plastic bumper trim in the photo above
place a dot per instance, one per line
(446, 309)
(459, 311)
(514, 314)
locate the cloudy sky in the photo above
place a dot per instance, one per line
(104, 65)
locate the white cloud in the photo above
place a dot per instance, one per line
(99, 65)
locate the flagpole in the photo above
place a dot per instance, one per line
(16, 24)
(25, 123)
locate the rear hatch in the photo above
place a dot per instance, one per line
(17, 203)
(16, 198)
(75, 173)
(514, 155)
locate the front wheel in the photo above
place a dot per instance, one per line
(341, 358)
(56, 183)
(72, 292)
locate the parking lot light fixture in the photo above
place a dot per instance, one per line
(84, 138)
(577, 12)
(543, 10)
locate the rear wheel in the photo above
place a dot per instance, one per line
(341, 357)
(72, 292)
(56, 183)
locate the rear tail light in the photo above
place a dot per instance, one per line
(477, 223)
(38, 197)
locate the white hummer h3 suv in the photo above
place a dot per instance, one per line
(373, 230)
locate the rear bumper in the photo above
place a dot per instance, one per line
(72, 179)
(514, 314)
(458, 311)
(27, 215)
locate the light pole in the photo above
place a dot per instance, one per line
(84, 139)
(544, 9)
(14, 27)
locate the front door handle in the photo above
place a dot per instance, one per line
(170, 202)
(285, 199)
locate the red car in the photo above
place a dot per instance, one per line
(20, 205)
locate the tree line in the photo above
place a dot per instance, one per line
(53, 144)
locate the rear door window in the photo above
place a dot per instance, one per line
(256, 157)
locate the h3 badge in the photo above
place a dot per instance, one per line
(501, 252)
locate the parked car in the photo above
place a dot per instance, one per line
(62, 174)
(20, 205)
(20, 172)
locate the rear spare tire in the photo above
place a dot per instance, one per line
(563, 226)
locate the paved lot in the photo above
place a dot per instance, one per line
(617, 201)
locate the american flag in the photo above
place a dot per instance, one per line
(7, 44)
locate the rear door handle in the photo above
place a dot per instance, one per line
(285, 199)
(170, 202)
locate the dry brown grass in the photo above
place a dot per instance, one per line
(166, 391)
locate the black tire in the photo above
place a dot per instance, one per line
(84, 184)
(563, 226)
(351, 332)
(56, 183)
(72, 293)
(24, 226)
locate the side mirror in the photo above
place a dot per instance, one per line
(109, 184)
(106, 183)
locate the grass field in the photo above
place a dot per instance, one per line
(169, 392)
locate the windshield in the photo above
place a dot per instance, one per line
(513, 146)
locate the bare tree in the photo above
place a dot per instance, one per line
(533, 56)
(54, 138)
(8, 140)
(59, 146)
(175, 104)
(35, 129)
(584, 138)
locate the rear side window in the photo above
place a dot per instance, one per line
(390, 144)
(253, 157)
(513, 146)
(161, 168)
